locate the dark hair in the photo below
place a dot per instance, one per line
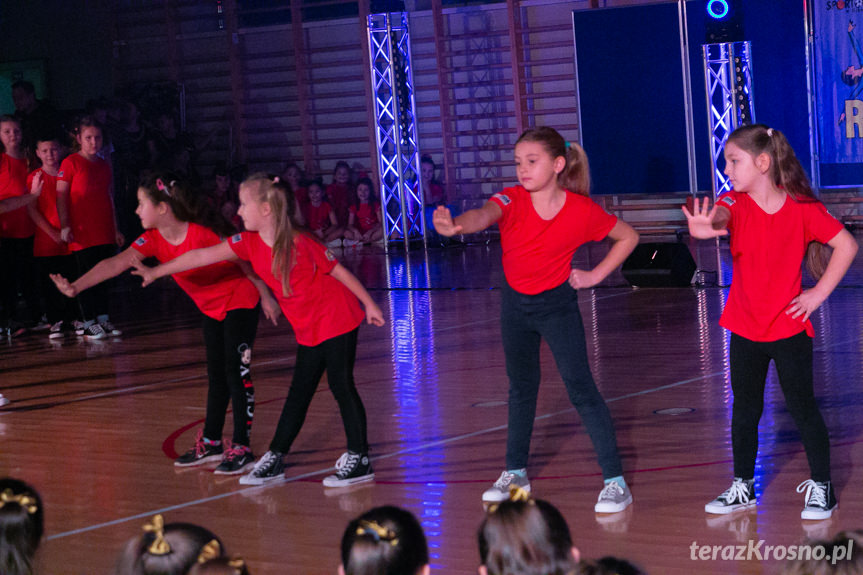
(186, 204)
(88, 121)
(373, 198)
(25, 85)
(221, 566)
(786, 173)
(386, 540)
(185, 542)
(343, 164)
(575, 176)
(426, 159)
(526, 538)
(21, 526)
(829, 563)
(609, 566)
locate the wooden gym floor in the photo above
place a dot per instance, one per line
(95, 425)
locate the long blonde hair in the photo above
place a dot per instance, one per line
(575, 176)
(278, 195)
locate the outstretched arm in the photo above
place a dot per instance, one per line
(189, 260)
(106, 269)
(11, 204)
(469, 222)
(844, 250)
(374, 315)
(624, 240)
(704, 223)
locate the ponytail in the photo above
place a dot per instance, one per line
(575, 176)
(787, 174)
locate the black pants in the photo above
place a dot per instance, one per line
(749, 363)
(18, 275)
(94, 301)
(229, 355)
(57, 306)
(554, 316)
(335, 355)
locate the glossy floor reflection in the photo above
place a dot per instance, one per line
(95, 425)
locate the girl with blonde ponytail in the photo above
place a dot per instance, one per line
(320, 298)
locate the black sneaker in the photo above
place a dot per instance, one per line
(351, 468)
(820, 499)
(59, 330)
(270, 467)
(200, 453)
(109, 329)
(235, 460)
(94, 331)
(740, 495)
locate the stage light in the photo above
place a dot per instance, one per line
(717, 9)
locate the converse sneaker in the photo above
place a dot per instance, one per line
(3, 400)
(613, 498)
(235, 460)
(79, 327)
(740, 495)
(820, 499)
(351, 468)
(59, 330)
(109, 329)
(200, 453)
(270, 467)
(500, 490)
(94, 331)
(349, 243)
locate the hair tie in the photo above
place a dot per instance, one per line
(568, 144)
(24, 500)
(211, 550)
(238, 564)
(159, 546)
(516, 494)
(377, 531)
(163, 188)
(769, 132)
(276, 180)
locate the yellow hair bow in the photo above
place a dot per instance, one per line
(516, 494)
(209, 551)
(377, 531)
(159, 546)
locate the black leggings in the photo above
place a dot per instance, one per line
(57, 306)
(18, 274)
(96, 300)
(749, 363)
(229, 355)
(335, 355)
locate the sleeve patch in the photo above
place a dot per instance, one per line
(141, 241)
(60, 174)
(727, 200)
(503, 198)
(236, 238)
(330, 256)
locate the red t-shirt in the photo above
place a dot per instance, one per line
(217, 288)
(339, 197)
(13, 182)
(537, 253)
(320, 307)
(767, 252)
(91, 213)
(43, 245)
(365, 217)
(318, 217)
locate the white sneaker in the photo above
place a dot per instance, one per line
(3, 400)
(348, 243)
(500, 490)
(613, 498)
(336, 243)
(740, 495)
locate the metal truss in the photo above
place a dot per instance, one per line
(728, 78)
(396, 131)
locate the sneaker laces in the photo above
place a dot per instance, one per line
(347, 462)
(610, 491)
(234, 451)
(816, 493)
(504, 481)
(264, 462)
(738, 491)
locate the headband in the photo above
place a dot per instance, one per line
(378, 532)
(25, 500)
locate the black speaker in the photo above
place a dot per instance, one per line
(723, 21)
(659, 265)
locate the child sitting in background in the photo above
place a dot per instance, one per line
(320, 218)
(340, 193)
(21, 526)
(364, 219)
(385, 540)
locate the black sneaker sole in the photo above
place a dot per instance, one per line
(201, 461)
(236, 471)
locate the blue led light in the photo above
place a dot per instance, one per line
(722, 6)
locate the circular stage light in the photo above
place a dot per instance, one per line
(717, 8)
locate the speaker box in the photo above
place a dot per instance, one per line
(659, 265)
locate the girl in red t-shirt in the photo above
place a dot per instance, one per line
(87, 220)
(175, 222)
(775, 222)
(542, 224)
(320, 217)
(340, 193)
(17, 267)
(364, 220)
(321, 299)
